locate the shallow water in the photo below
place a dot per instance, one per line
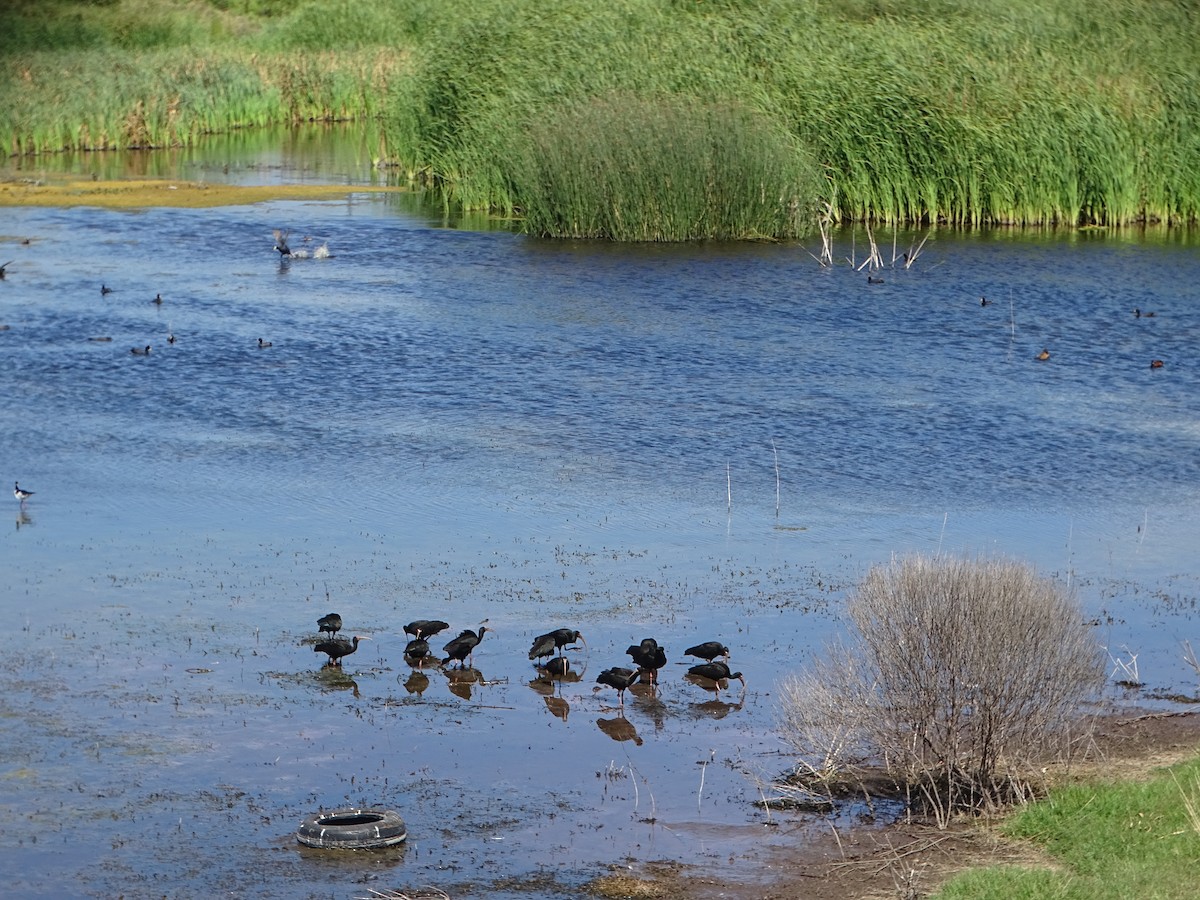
(686, 442)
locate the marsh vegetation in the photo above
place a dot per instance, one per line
(638, 120)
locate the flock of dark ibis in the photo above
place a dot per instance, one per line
(547, 652)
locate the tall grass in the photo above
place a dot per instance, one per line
(635, 169)
(1027, 113)
(966, 112)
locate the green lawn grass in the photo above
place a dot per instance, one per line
(1119, 840)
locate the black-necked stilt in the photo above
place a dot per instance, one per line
(105, 290)
(263, 344)
(20, 494)
(139, 351)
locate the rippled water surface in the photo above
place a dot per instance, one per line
(686, 442)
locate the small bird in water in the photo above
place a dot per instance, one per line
(620, 678)
(708, 651)
(984, 301)
(1156, 363)
(105, 290)
(140, 351)
(710, 675)
(4, 267)
(331, 623)
(281, 243)
(170, 337)
(20, 494)
(1138, 314)
(157, 300)
(649, 657)
(338, 647)
(425, 627)
(1043, 356)
(463, 646)
(873, 280)
(262, 345)
(546, 644)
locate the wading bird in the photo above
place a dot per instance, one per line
(21, 495)
(425, 627)
(546, 644)
(338, 647)
(710, 675)
(463, 646)
(417, 648)
(558, 666)
(708, 651)
(331, 623)
(619, 678)
(649, 657)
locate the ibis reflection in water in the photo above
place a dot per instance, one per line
(619, 729)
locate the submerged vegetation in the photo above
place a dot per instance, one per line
(656, 120)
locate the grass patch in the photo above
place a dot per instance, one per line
(1028, 112)
(1111, 840)
(134, 194)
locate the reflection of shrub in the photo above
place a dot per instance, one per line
(963, 678)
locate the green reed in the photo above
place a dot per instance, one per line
(966, 112)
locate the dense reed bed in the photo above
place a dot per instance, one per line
(663, 119)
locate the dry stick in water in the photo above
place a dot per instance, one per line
(703, 768)
(776, 452)
(728, 489)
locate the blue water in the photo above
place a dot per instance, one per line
(692, 442)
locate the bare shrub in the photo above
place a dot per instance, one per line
(960, 681)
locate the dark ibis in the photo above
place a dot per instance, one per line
(21, 495)
(338, 647)
(708, 651)
(649, 657)
(547, 644)
(331, 623)
(423, 628)
(619, 678)
(417, 648)
(463, 646)
(711, 674)
(558, 666)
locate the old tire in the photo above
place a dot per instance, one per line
(352, 829)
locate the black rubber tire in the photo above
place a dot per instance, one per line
(352, 829)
